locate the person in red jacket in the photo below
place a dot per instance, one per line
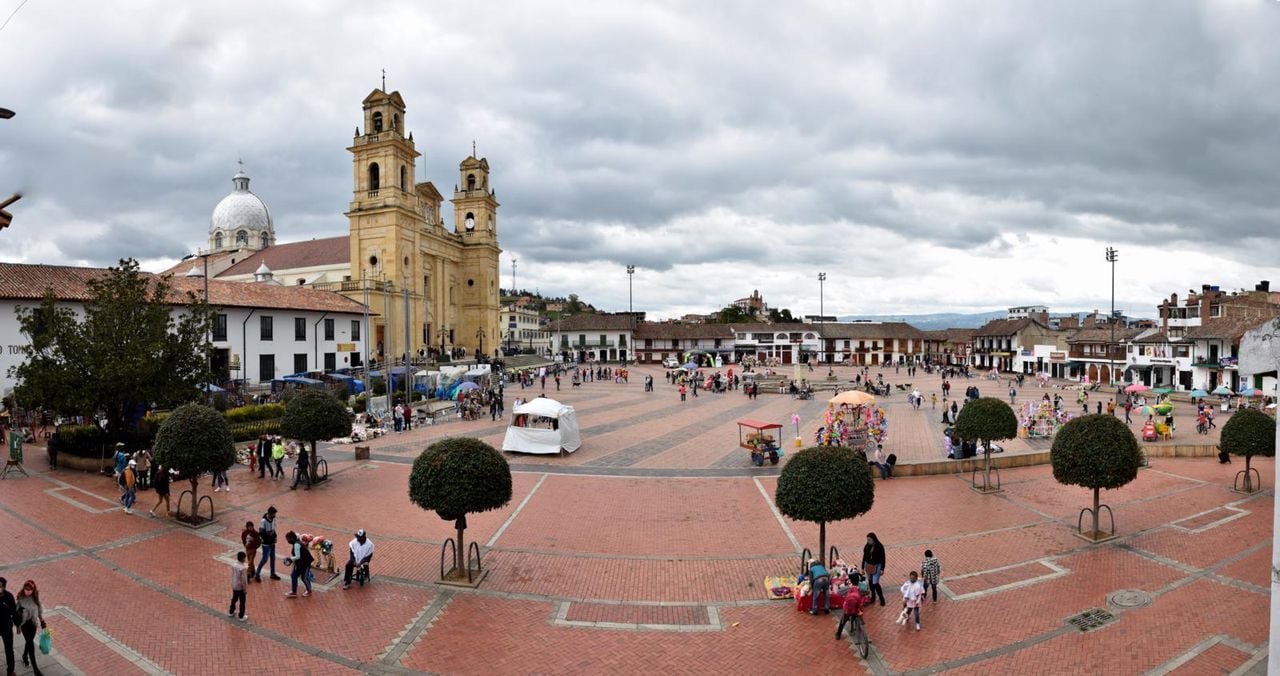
(853, 603)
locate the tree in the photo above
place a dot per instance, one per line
(825, 483)
(1249, 432)
(459, 476)
(732, 314)
(574, 306)
(1097, 452)
(130, 351)
(194, 439)
(986, 420)
(782, 316)
(313, 415)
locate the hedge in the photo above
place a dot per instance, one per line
(252, 413)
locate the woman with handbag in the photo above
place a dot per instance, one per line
(873, 565)
(29, 613)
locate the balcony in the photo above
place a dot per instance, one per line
(350, 285)
(1115, 354)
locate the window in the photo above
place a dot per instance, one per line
(622, 340)
(564, 341)
(299, 328)
(266, 241)
(217, 241)
(219, 328)
(471, 183)
(266, 367)
(604, 340)
(268, 328)
(377, 122)
(330, 361)
(299, 363)
(355, 329)
(404, 184)
(395, 121)
(328, 329)
(242, 238)
(374, 179)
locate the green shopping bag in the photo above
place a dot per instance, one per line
(46, 641)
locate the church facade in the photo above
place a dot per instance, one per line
(429, 286)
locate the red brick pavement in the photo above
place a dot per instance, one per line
(75, 645)
(1217, 659)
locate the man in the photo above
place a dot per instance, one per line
(361, 549)
(264, 456)
(821, 585)
(267, 535)
(8, 612)
(121, 458)
(303, 467)
(1128, 409)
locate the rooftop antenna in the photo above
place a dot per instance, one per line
(473, 147)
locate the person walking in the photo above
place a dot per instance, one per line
(302, 470)
(129, 483)
(220, 482)
(267, 536)
(277, 457)
(144, 468)
(912, 595)
(873, 561)
(239, 584)
(930, 572)
(264, 456)
(8, 615)
(1128, 409)
(121, 458)
(251, 540)
(30, 612)
(301, 558)
(161, 484)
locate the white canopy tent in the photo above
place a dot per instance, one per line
(541, 440)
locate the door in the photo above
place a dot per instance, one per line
(1106, 375)
(1093, 373)
(221, 362)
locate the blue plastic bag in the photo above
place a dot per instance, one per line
(46, 642)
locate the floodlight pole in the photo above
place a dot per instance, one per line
(1112, 256)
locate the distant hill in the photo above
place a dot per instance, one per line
(937, 320)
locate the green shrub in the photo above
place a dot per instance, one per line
(83, 441)
(252, 429)
(361, 403)
(254, 412)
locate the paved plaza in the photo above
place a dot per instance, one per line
(646, 551)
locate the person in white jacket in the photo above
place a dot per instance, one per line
(361, 549)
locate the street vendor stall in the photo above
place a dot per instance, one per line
(852, 419)
(543, 426)
(1039, 420)
(754, 436)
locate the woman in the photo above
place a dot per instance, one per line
(144, 468)
(162, 490)
(301, 556)
(251, 540)
(873, 565)
(29, 613)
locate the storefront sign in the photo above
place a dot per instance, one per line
(346, 347)
(1228, 362)
(1057, 356)
(1162, 361)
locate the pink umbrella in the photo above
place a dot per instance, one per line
(1136, 387)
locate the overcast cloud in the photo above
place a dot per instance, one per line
(928, 156)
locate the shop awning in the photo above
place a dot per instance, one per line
(1076, 364)
(1141, 368)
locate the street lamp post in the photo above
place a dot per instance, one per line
(822, 316)
(631, 272)
(1112, 257)
(480, 340)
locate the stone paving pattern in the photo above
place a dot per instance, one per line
(645, 552)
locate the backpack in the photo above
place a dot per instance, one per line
(892, 459)
(305, 559)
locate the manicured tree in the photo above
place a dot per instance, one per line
(459, 476)
(1249, 432)
(986, 420)
(825, 483)
(1095, 451)
(313, 415)
(194, 439)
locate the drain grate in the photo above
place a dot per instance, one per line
(1091, 619)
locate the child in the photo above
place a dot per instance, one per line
(853, 603)
(912, 593)
(930, 571)
(238, 580)
(683, 391)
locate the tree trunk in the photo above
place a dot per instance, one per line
(460, 556)
(1095, 511)
(822, 542)
(314, 463)
(986, 470)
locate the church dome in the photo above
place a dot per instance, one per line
(241, 220)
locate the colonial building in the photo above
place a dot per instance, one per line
(1099, 354)
(948, 347)
(594, 337)
(261, 331)
(524, 330)
(871, 343)
(1020, 346)
(1213, 303)
(432, 283)
(655, 341)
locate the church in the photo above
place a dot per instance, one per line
(427, 285)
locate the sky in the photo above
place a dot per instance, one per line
(945, 156)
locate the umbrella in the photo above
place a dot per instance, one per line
(1162, 390)
(468, 385)
(852, 398)
(1199, 393)
(210, 387)
(1136, 387)
(1250, 392)
(1164, 409)
(1146, 410)
(1222, 390)
(692, 366)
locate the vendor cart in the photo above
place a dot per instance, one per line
(755, 436)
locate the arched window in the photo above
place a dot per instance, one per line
(266, 240)
(395, 121)
(490, 222)
(404, 185)
(242, 238)
(377, 122)
(374, 181)
(471, 182)
(217, 240)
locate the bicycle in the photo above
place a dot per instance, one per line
(859, 634)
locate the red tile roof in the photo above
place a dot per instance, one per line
(29, 282)
(311, 253)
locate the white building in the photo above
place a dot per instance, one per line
(593, 337)
(262, 330)
(523, 330)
